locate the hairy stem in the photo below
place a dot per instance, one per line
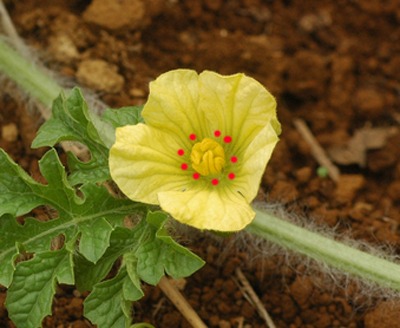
(326, 250)
(27, 75)
(39, 85)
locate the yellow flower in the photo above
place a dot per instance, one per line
(203, 149)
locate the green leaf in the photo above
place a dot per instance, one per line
(88, 273)
(71, 121)
(19, 194)
(135, 291)
(95, 238)
(160, 252)
(148, 252)
(29, 297)
(108, 305)
(123, 116)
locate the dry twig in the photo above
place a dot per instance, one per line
(252, 297)
(316, 149)
(180, 303)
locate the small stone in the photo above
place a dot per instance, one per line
(137, 93)
(115, 15)
(385, 315)
(9, 132)
(62, 48)
(312, 22)
(304, 174)
(283, 191)
(348, 186)
(301, 290)
(100, 75)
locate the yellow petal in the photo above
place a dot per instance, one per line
(218, 209)
(172, 105)
(253, 162)
(143, 161)
(237, 105)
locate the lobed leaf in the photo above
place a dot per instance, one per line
(88, 273)
(108, 305)
(75, 214)
(147, 251)
(93, 215)
(30, 295)
(71, 121)
(159, 253)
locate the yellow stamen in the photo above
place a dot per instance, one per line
(208, 157)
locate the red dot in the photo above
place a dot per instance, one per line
(214, 182)
(217, 133)
(196, 176)
(184, 166)
(234, 159)
(227, 139)
(231, 176)
(192, 136)
(181, 152)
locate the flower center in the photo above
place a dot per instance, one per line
(208, 157)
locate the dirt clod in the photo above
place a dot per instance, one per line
(386, 314)
(301, 289)
(116, 15)
(100, 75)
(347, 187)
(9, 132)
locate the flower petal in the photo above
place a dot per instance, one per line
(172, 104)
(237, 105)
(218, 209)
(143, 162)
(254, 160)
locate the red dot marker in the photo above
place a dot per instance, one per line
(217, 133)
(234, 159)
(214, 182)
(184, 166)
(231, 176)
(227, 139)
(192, 136)
(181, 152)
(196, 176)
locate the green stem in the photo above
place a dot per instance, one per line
(326, 250)
(28, 76)
(41, 86)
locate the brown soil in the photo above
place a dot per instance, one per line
(332, 63)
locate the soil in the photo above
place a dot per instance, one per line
(332, 63)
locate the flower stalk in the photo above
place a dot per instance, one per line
(266, 225)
